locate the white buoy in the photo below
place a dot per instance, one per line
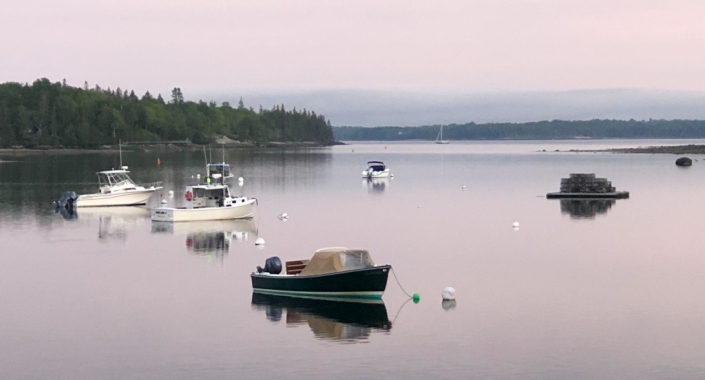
(463, 187)
(283, 217)
(171, 193)
(391, 175)
(198, 176)
(259, 241)
(448, 294)
(515, 224)
(163, 201)
(192, 177)
(240, 179)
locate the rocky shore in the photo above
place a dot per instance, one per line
(675, 149)
(146, 147)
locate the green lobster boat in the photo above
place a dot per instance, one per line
(331, 272)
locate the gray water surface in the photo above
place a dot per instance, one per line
(581, 291)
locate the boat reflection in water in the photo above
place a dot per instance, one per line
(113, 222)
(209, 237)
(348, 321)
(585, 208)
(376, 185)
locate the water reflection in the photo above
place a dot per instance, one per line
(376, 185)
(209, 237)
(585, 208)
(448, 304)
(113, 222)
(344, 321)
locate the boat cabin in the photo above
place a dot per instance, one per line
(216, 195)
(377, 166)
(331, 260)
(218, 168)
(112, 180)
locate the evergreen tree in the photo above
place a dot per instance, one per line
(52, 114)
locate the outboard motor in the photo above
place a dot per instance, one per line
(272, 266)
(66, 200)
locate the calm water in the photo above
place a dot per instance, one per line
(609, 290)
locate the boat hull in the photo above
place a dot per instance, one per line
(170, 214)
(359, 283)
(382, 174)
(127, 198)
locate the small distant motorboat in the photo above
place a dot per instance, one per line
(331, 272)
(376, 169)
(116, 188)
(439, 138)
(207, 202)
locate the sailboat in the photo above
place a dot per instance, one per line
(439, 138)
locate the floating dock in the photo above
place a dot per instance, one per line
(615, 195)
(587, 186)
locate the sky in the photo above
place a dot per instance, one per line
(265, 48)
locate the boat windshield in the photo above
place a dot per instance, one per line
(218, 192)
(117, 178)
(377, 166)
(222, 169)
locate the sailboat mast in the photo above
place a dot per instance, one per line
(120, 149)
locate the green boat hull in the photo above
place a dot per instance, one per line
(359, 283)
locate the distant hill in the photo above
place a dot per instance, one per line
(542, 130)
(55, 114)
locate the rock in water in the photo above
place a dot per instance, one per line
(684, 161)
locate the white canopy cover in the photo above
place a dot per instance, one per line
(331, 260)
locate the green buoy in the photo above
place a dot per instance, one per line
(416, 297)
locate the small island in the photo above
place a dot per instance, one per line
(586, 185)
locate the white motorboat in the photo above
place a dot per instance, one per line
(376, 169)
(116, 188)
(439, 138)
(207, 202)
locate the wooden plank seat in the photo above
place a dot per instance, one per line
(296, 266)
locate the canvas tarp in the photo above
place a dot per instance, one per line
(337, 259)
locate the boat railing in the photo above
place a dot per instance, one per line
(153, 184)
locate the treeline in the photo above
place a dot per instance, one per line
(542, 130)
(58, 115)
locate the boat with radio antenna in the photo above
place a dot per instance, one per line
(115, 188)
(210, 201)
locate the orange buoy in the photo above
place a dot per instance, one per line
(159, 162)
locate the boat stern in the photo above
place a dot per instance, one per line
(163, 214)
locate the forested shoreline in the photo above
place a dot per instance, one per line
(46, 114)
(542, 130)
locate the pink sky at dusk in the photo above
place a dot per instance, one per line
(492, 45)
